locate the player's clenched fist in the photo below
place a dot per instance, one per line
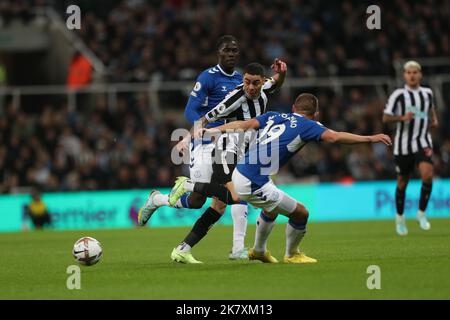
(279, 66)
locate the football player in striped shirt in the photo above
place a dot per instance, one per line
(413, 110)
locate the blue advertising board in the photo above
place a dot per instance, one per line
(325, 202)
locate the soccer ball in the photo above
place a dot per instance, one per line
(87, 251)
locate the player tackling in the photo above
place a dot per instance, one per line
(280, 137)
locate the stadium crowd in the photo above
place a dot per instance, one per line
(60, 150)
(139, 40)
(125, 147)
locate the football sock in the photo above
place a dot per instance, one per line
(183, 202)
(294, 235)
(264, 226)
(425, 196)
(160, 200)
(201, 226)
(214, 190)
(400, 201)
(239, 215)
(184, 247)
(189, 185)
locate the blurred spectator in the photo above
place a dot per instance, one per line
(80, 72)
(37, 211)
(3, 77)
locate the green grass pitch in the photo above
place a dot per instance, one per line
(136, 265)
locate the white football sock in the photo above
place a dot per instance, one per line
(420, 214)
(263, 229)
(239, 215)
(184, 247)
(161, 200)
(293, 238)
(178, 205)
(189, 185)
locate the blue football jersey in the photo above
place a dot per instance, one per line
(281, 135)
(211, 88)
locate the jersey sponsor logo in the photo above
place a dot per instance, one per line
(416, 111)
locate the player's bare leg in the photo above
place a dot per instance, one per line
(426, 173)
(400, 221)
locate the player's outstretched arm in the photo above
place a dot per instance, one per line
(350, 138)
(235, 125)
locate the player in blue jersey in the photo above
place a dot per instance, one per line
(280, 137)
(211, 88)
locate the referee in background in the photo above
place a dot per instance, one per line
(413, 110)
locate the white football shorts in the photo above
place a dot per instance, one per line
(268, 197)
(200, 168)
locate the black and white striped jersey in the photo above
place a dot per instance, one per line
(237, 106)
(411, 136)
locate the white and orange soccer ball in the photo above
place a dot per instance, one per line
(87, 251)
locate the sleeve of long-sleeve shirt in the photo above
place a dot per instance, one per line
(227, 106)
(197, 98)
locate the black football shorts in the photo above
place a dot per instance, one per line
(405, 164)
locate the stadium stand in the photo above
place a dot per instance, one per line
(99, 147)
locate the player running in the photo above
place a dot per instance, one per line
(280, 137)
(413, 110)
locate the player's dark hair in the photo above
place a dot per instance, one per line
(306, 103)
(255, 69)
(225, 39)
